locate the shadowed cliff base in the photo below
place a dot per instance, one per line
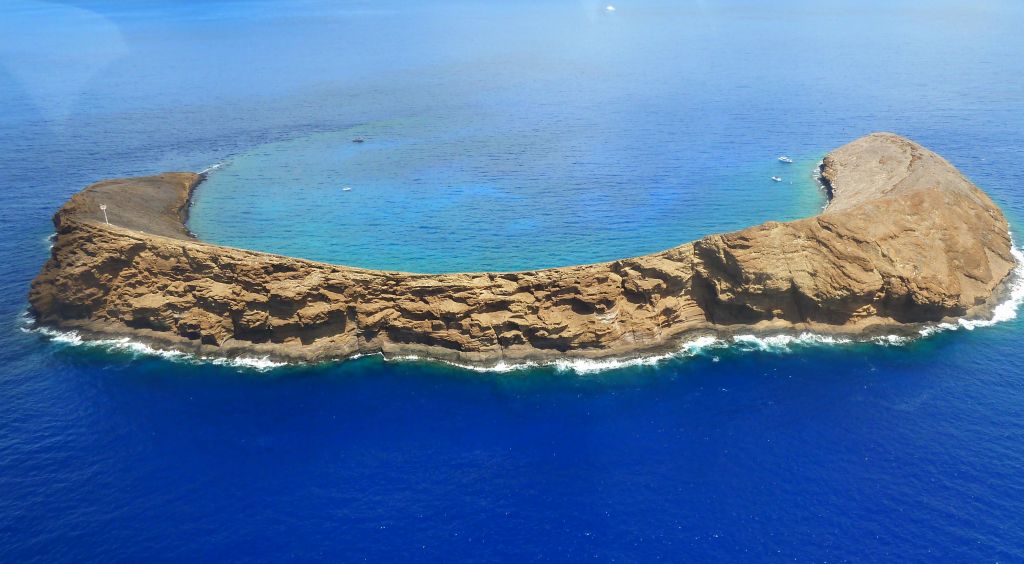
(905, 239)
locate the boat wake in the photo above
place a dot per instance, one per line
(704, 346)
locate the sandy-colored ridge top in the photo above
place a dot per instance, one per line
(905, 239)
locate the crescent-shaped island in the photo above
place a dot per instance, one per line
(905, 239)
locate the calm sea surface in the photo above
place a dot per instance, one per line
(502, 136)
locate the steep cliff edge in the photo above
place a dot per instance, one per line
(905, 239)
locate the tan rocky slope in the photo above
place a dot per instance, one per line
(905, 239)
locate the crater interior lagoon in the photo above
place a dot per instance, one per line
(439, 195)
(502, 136)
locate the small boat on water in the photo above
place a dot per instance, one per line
(609, 8)
(776, 179)
(358, 140)
(346, 189)
(785, 159)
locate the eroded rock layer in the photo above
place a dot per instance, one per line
(905, 239)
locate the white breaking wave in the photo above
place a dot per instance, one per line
(135, 348)
(688, 349)
(1002, 312)
(779, 343)
(588, 366)
(259, 364)
(892, 340)
(501, 366)
(212, 167)
(784, 342)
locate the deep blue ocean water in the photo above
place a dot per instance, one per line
(502, 136)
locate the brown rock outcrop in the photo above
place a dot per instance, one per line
(905, 239)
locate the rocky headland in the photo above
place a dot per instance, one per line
(905, 239)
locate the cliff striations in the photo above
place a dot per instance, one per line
(905, 239)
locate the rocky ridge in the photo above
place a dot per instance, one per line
(905, 239)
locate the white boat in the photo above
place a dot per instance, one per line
(609, 8)
(785, 159)
(346, 189)
(776, 179)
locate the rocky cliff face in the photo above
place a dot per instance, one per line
(905, 239)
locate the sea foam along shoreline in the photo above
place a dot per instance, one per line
(1003, 311)
(137, 348)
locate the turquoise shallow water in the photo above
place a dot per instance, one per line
(501, 136)
(448, 196)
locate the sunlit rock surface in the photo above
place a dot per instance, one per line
(905, 239)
